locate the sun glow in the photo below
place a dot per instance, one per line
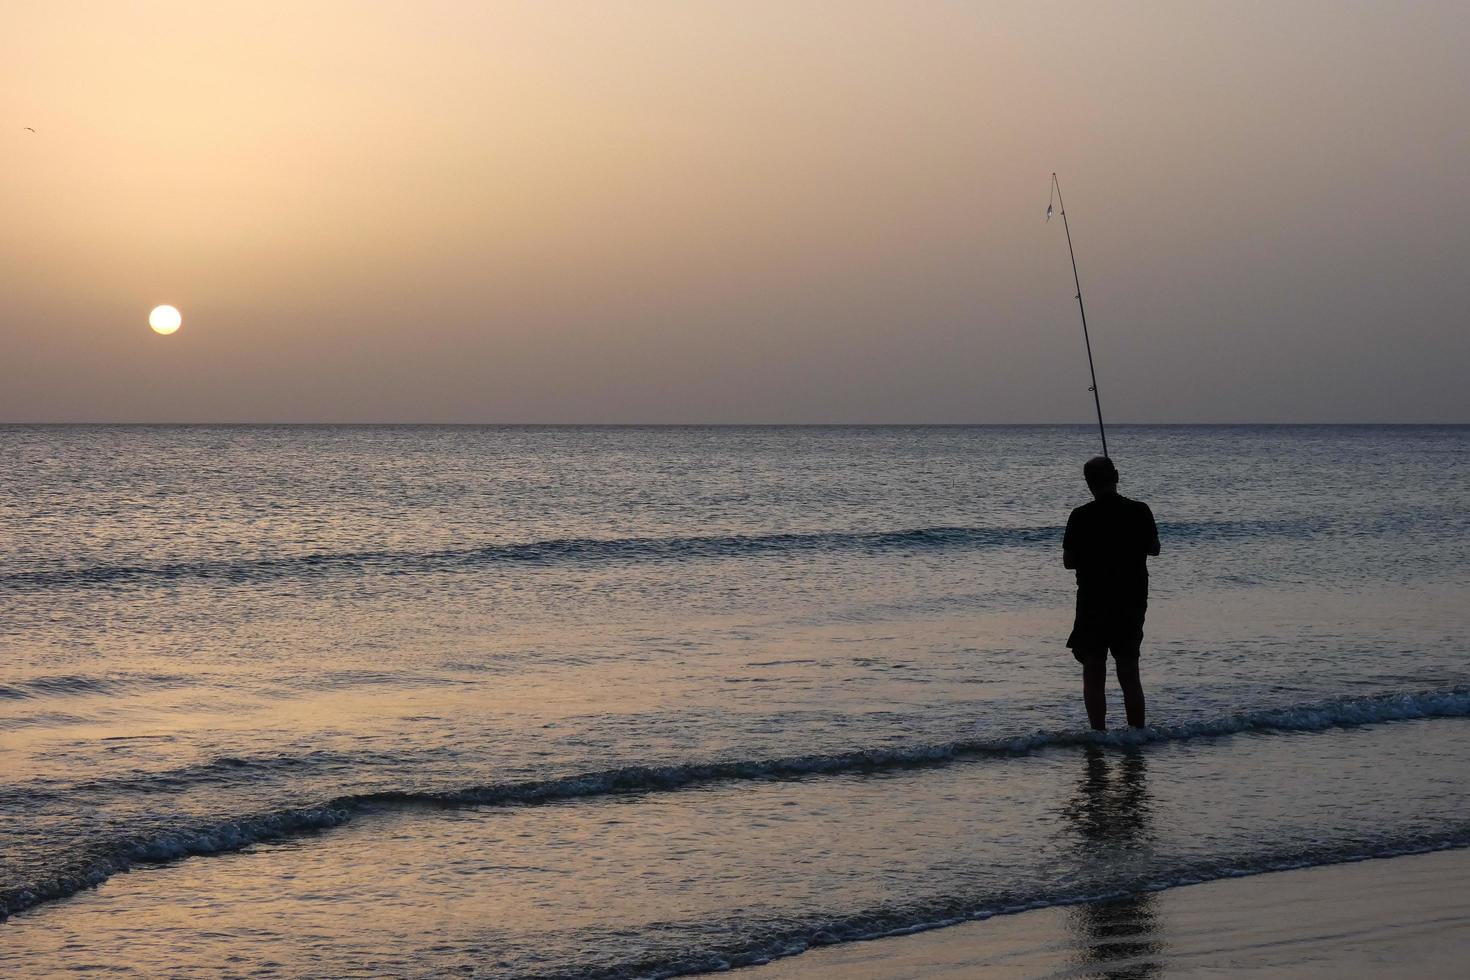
(164, 320)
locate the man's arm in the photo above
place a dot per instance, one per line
(1069, 557)
(1153, 533)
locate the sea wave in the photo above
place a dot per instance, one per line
(564, 550)
(187, 839)
(220, 771)
(65, 685)
(761, 941)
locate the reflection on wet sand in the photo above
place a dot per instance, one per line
(1110, 810)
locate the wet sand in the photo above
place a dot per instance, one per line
(1404, 916)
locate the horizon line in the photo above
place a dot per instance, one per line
(713, 425)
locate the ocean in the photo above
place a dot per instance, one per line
(651, 701)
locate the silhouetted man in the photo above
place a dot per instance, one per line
(1108, 542)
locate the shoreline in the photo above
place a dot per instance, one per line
(1402, 915)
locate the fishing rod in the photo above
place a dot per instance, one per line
(1056, 196)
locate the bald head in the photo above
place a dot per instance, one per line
(1101, 475)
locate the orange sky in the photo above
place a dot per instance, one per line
(755, 211)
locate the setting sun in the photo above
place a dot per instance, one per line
(164, 320)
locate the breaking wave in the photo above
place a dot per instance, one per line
(213, 837)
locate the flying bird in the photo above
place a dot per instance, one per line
(31, 128)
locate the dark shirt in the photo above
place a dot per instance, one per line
(1110, 540)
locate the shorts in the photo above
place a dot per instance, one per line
(1103, 625)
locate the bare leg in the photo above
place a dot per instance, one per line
(1132, 690)
(1094, 692)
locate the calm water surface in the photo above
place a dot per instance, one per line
(641, 701)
